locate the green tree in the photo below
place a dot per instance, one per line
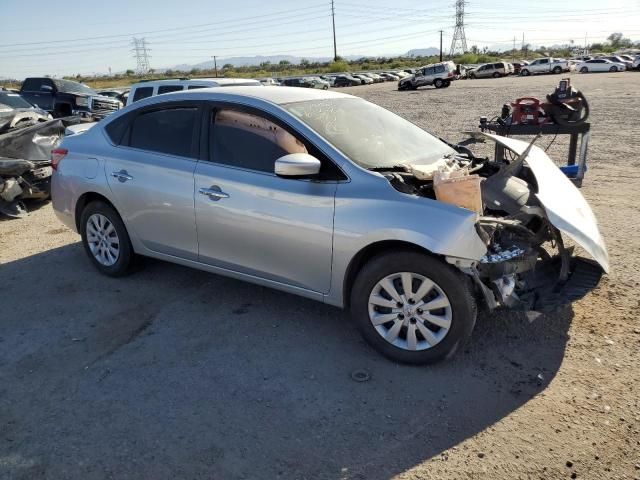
(339, 66)
(129, 72)
(284, 63)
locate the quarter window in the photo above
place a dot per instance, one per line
(142, 92)
(248, 141)
(169, 88)
(167, 131)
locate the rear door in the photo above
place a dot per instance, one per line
(250, 220)
(151, 177)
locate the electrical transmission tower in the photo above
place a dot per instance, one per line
(141, 54)
(459, 39)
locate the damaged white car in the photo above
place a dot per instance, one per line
(333, 198)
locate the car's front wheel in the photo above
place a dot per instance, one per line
(557, 70)
(613, 69)
(584, 70)
(524, 73)
(438, 83)
(106, 240)
(413, 308)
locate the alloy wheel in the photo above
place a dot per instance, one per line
(103, 240)
(410, 311)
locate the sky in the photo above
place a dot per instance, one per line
(41, 37)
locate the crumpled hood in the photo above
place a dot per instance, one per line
(565, 206)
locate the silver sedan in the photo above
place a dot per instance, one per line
(330, 197)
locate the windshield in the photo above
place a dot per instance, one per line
(14, 100)
(368, 134)
(68, 86)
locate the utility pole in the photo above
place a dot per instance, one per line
(333, 22)
(440, 45)
(215, 65)
(513, 54)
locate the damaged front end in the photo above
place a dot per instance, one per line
(25, 164)
(524, 207)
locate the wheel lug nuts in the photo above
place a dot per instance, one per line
(412, 320)
(412, 301)
(400, 316)
(420, 311)
(399, 305)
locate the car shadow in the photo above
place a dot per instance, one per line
(173, 372)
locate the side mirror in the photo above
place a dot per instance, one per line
(297, 165)
(46, 88)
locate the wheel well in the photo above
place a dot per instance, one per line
(63, 108)
(367, 253)
(84, 200)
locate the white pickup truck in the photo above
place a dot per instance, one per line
(545, 65)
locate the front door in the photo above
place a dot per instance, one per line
(250, 220)
(152, 179)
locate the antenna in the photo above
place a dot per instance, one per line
(459, 39)
(141, 54)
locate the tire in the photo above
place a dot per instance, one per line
(472, 76)
(325, 87)
(447, 83)
(584, 70)
(496, 75)
(450, 287)
(524, 73)
(92, 220)
(613, 69)
(438, 83)
(557, 70)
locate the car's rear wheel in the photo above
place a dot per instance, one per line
(584, 70)
(496, 75)
(557, 70)
(413, 308)
(613, 69)
(447, 83)
(472, 76)
(438, 83)
(106, 240)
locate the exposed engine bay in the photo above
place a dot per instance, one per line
(527, 264)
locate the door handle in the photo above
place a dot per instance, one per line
(122, 176)
(214, 193)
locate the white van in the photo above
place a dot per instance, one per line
(151, 88)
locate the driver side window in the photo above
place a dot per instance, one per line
(243, 140)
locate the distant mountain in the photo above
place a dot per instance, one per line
(423, 52)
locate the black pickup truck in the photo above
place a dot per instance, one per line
(63, 98)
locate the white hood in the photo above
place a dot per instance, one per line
(565, 206)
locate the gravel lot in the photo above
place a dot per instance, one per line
(175, 373)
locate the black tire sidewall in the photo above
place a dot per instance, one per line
(438, 83)
(124, 262)
(455, 285)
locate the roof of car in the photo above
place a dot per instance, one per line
(273, 94)
(197, 81)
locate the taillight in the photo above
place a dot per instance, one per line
(56, 156)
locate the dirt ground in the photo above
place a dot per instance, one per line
(175, 373)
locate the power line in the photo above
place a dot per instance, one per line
(459, 38)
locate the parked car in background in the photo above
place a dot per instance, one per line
(346, 80)
(63, 98)
(636, 63)
(401, 74)
(600, 65)
(389, 77)
(546, 65)
(117, 93)
(316, 82)
(440, 75)
(151, 88)
(517, 66)
(269, 82)
(296, 82)
(618, 59)
(373, 76)
(301, 190)
(490, 70)
(363, 78)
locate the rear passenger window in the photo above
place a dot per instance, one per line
(167, 131)
(429, 71)
(142, 92)
(169, 88)
(247, 141)
(499, 65)
(439, 68)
